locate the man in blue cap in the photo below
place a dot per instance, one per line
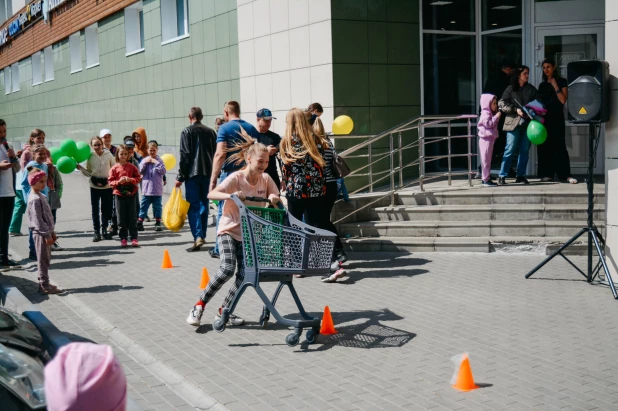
(270, 140)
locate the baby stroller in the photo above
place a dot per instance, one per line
(276, 246)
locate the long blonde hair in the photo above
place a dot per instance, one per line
(297, 125)
(245, 148)
(320, 133)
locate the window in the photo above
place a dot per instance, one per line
(174, 20)
(6, 10)
(48, 55)
(76, 52)
(15, 76)
(448, 15)
(92, 45)
(134, 28)
(37, 74)
(7, 80)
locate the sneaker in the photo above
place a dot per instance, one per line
(198, 244)
(105, 234)
(195, 316)
(134, 243)
(522, 180)
(56, 246)
(341, 257)
(50, 289)
(546, 179)
(32, 256)
(140, 226)
(488, 184)
(17, 234)
(158, 226)
(123, 242)
(213, 253)
(97, 237)
(501, 181)
(233, 320)
(332, 278)
(10, 263)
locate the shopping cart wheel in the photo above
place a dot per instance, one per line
(264, 318)
(218, 325)
(312, 336)
(292, 339)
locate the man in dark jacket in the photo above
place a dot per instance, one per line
(197, 148)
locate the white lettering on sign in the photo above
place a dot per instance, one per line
(53, 4)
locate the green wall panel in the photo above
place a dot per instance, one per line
(153, 89)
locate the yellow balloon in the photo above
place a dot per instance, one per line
(169, 160)
(343, 125)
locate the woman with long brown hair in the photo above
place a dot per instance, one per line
(303, 170)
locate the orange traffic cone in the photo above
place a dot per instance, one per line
(328, 327)
(167, 261)
(463, 380)
(205, 279)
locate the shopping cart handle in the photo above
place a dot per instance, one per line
(265, 200)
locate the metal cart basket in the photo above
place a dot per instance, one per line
(276, 246)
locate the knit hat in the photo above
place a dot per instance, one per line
(85, 376)
(104, 132)
(35, 176)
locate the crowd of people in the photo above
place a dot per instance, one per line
(503, 123)
(300, 163)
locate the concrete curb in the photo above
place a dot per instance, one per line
(185, 389)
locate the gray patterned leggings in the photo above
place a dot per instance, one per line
(231, 260)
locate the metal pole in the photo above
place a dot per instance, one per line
(392, 147)
(590, 184)
(400, 161)
(469, 153)
(449, 153)
(421, 157)
(370, 157)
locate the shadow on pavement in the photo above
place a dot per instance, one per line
(71, 265)
(398, 266)
(99, 289)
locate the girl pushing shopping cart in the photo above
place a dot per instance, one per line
(261, 244)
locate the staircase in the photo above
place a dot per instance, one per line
(515, 218)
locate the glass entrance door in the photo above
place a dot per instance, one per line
(564, 45)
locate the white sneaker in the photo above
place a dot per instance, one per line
(233, 320)
(195, 316)
(340, 273)
(56, 246)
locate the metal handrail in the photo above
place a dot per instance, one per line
(419, 123)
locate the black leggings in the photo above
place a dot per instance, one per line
(313, 209)
(6, 212)
(331, 197)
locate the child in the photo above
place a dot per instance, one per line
(123, 178)
(39, 153)
(101, 198)
(54, 196)
(41, 227)
(488, 133)
(250, 181)
(152, 169)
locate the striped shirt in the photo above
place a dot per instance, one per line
(329, 167)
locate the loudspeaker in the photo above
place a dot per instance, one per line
(588, 91)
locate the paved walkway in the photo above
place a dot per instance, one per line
(547, 343)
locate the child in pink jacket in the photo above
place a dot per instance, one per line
(488, 133)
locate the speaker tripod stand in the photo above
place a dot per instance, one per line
(594, 236)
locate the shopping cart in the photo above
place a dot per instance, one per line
(276, 246)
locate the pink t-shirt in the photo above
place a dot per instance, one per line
(230, 219)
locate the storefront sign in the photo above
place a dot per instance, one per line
(22, 21)
(52, 4)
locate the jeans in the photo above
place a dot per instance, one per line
(127, 217)
(197, 196)
(157, 207)
(342, 190)
(514, 139)
(222, 177)
(6, 212)
(105, 198)
(18, 212)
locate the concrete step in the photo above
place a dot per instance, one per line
(530, 244)
(500, 196)
(484, 212)
(481, 228)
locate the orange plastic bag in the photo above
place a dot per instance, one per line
(175, 211)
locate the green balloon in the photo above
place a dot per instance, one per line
(83, 152)
(537, 133)
(56, 153)
(68, 147)
(66, 165)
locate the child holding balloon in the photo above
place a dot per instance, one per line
(488, 133)
(152, 170)
(123, 178)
